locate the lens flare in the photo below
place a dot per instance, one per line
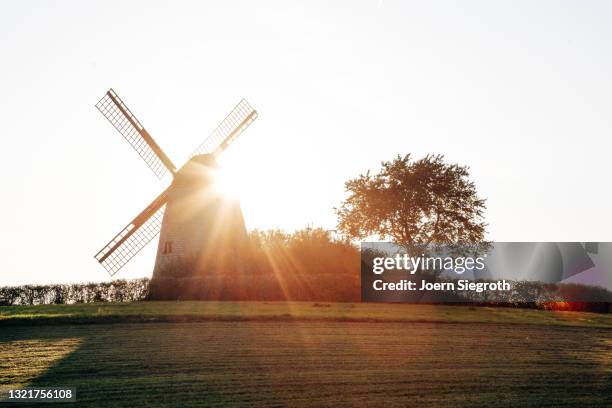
(226, 183)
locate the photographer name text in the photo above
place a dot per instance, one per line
(461, 285)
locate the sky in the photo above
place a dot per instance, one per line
(519, 91)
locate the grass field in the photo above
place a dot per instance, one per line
(346, 312)
(306, 354)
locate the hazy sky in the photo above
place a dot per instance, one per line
(520, 91)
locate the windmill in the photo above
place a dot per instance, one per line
(199, 228)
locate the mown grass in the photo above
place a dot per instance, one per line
(312, 363)
(270, 354)
(356, 312)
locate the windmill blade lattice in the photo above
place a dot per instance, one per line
(228, 130)
(119, 115)
(134, 237)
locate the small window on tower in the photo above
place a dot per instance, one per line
(167, 247)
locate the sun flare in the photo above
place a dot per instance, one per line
(227, 183)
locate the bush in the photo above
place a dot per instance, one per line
(114, 291)
(305, 265)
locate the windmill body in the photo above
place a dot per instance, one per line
(202, 232)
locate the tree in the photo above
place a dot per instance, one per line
(414, 203)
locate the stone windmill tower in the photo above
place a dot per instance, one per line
(202, 232)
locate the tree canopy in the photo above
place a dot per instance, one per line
(414, 203)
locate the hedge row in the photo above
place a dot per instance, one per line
(116, 291)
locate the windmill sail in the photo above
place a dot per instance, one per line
(135, 236)
(228, 130)
(118, 114)
(147, 225)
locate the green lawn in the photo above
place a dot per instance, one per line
(188, 354)
(357, 312)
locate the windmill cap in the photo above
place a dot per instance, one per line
(204, 159)
(197, 171)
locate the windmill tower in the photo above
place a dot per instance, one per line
(202, 233)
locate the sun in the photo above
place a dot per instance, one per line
(227, 183)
